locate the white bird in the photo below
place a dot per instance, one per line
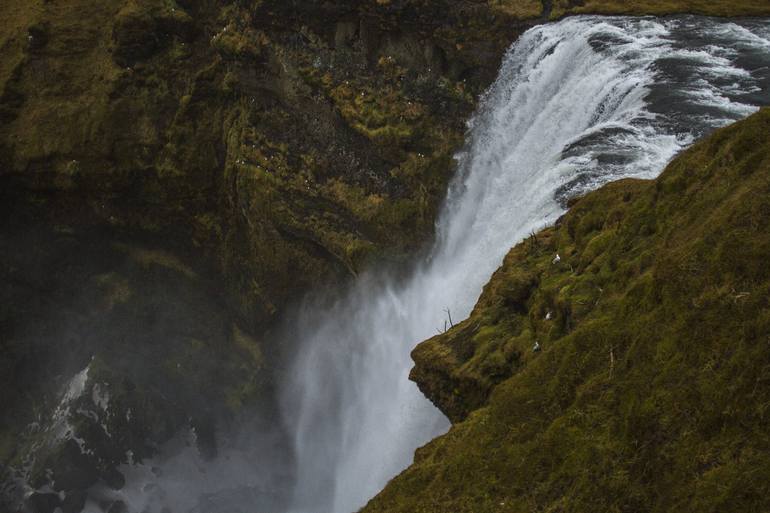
(557, 259)
(536, 347)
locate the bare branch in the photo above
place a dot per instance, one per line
(449, 314)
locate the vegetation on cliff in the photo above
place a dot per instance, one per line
(661, 7)
(648, 391)
(288, 143)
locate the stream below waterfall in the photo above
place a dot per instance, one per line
(577, 103)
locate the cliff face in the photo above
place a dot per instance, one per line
(647, 388)
(173, 173)
(286, 144)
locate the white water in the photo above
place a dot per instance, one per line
(577, 104)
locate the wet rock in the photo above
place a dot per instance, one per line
(113, 478)
(205, 438)
(345, 34)
(66, 466)
(42, 502)
(117, 507)
(74, 501)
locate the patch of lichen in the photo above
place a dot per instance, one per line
(661, 7)
(649, 391)
(365, 185)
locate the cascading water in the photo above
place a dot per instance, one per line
(577, 104)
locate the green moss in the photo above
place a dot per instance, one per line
(662, 7)
(384, 116)
(520, 9)
(238, 41)
(649, 391)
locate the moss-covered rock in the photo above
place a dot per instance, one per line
(648, 391)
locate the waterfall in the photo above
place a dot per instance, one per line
(577, 103)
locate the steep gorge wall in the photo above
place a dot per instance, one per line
(287, 143)
(173, 174)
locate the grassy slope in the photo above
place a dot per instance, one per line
(661, 7)
(651, 390)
